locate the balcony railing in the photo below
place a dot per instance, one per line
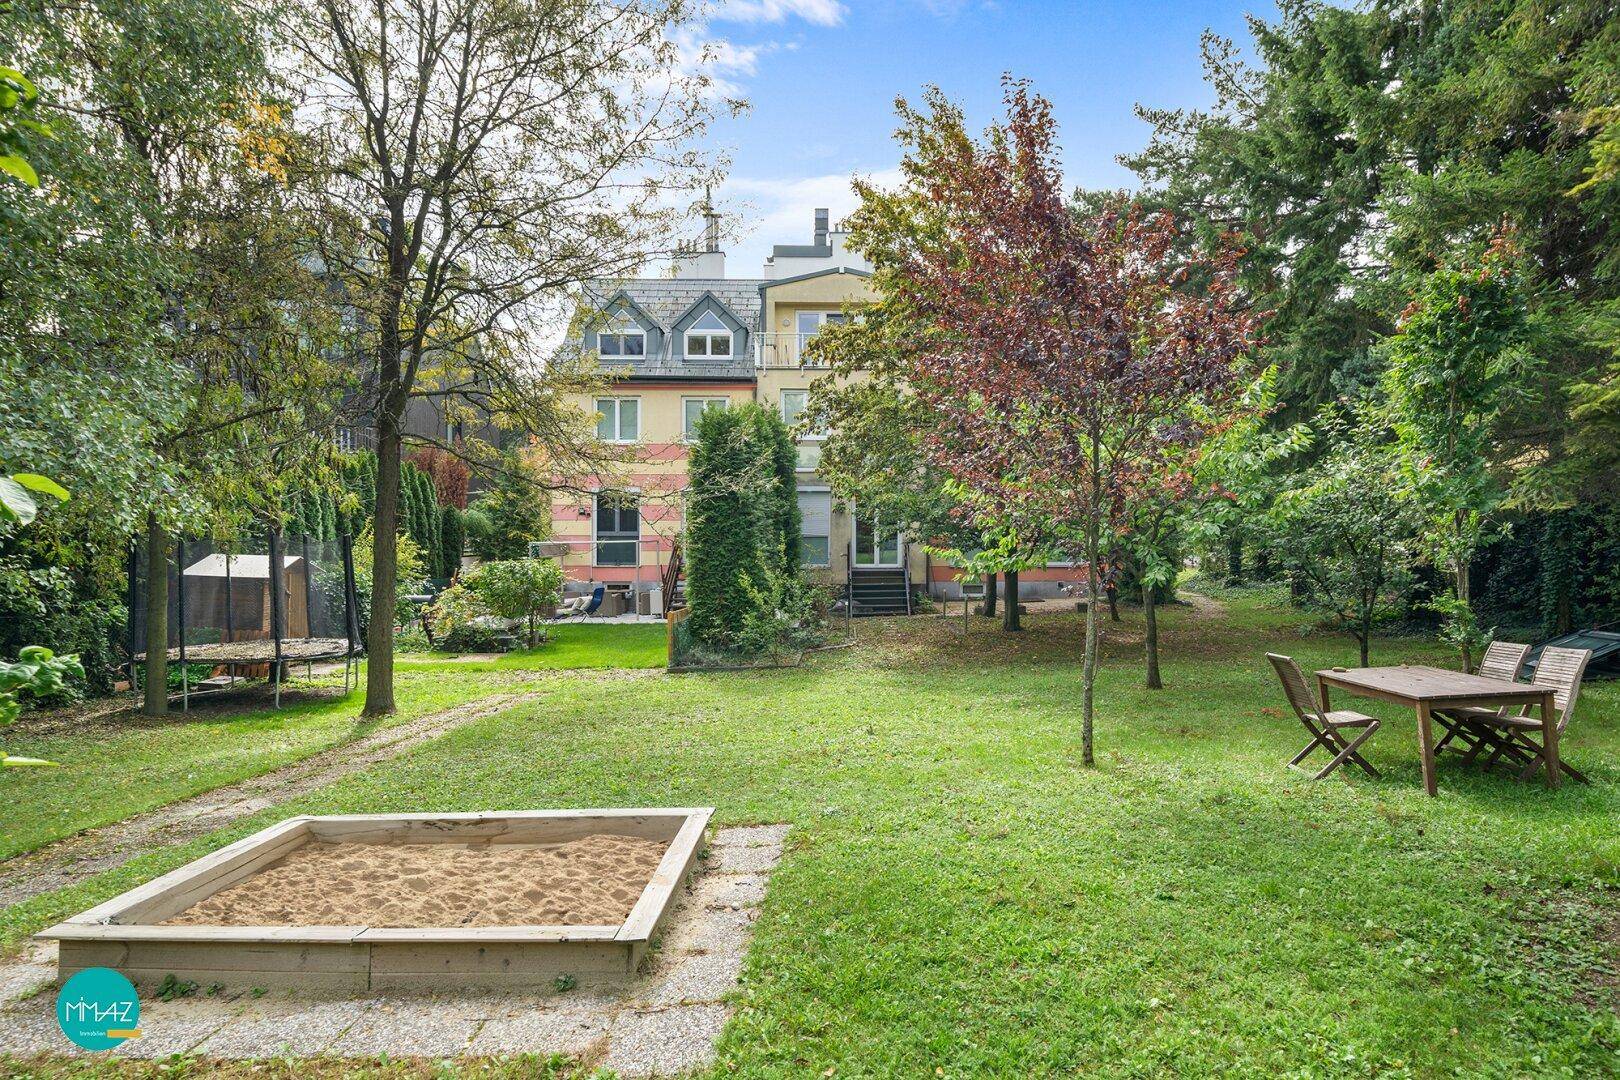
(782, 351)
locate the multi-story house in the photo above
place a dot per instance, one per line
(698, 340)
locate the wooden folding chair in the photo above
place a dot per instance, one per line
(1518, 737)
(1327, 728)
(1502, 660)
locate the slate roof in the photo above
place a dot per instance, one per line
(666, 299)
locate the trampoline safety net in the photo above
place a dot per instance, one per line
(226, 609)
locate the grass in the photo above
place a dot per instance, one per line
(572, 646)
(962, 897)
(120, 764)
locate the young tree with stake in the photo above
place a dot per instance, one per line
(1069, 347)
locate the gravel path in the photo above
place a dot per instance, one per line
(83, 855)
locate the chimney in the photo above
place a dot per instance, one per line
(706, 261)
(711, 228)
(821, 226)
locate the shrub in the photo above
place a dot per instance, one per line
(742, 525)
(518, 589)
(452, 537)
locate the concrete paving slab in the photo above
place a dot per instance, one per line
(174, 1027)
(711, 930)
(728, 891)
(705, 978)
(414, 1029)
(284, 1030)
(752, 836)
(664, 1042)
(574, 1032)
(742, 859)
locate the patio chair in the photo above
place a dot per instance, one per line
(1502, 660)
(1327, 728)
(1517, 737)
(587, 606)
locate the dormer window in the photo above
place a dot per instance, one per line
(621, 342)
(708, 337)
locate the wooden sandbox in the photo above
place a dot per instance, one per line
(135, 933)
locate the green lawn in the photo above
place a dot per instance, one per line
(960, 897)
(121, 765)
(571, 646)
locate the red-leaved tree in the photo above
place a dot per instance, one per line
(1073, 355)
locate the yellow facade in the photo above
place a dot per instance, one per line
(659, 476)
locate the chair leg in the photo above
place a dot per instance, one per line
(1305, 753)
(1574, 773)
(1349, 754)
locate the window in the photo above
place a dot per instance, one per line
(622, 341)
(708, 337)
(618, 529)
(618, 419)
(811, 322)
(344, 439)
(815, 528)
(692, 408)
(794, 402)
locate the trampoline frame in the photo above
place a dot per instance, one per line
(274, 650)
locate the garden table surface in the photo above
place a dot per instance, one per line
(1429, 688)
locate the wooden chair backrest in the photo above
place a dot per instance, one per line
(1503, 659)
(1295, 686)
(1562, 669)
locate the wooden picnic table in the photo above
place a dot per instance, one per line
(1429, 688)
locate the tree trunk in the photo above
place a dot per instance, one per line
(384, 564)
(1462, 595)
(1113, 601)
(988, 608)
(1009, 606)
(1362, 640)
(156, 702)
(1150, 611)
(1088, 676)
(1234, 558)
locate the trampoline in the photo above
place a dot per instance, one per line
(248, 609)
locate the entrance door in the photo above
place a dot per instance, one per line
(874, 547)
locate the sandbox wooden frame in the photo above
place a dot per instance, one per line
(123, 933)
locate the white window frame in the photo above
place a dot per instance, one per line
(621, 332)
(596, 548)
(709, 337)
(820, 315)
(618, 418)
(346, 439)
(809, 436)
(724, 403)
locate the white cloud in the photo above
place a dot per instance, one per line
(819, 12)
(767, 212)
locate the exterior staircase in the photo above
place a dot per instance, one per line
(879, 592)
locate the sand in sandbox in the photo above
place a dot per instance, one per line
(592, 881)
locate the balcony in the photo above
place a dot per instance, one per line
(773, 351)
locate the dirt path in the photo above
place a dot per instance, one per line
(75, 858)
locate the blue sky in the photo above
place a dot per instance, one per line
(821, 76)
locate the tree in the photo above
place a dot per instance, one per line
(1344, 534)
(511, 513)
(483, 159)
(737, 515)
(519, 589)
(875, 451)
(1069, 345)
(1458, 364)
(232, 329)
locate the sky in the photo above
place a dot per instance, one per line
(821, 77)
